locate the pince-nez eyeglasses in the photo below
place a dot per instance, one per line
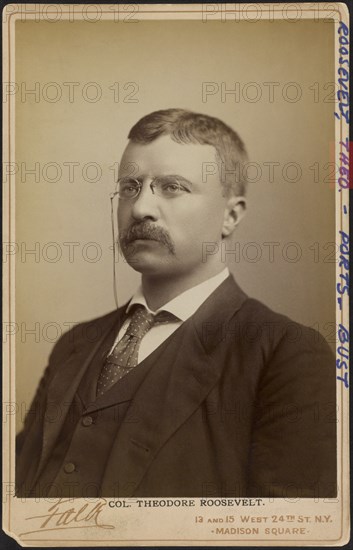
(168, 187)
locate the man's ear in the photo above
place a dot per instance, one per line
(233, 213)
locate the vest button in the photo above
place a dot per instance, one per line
(69, 467)
(87, 421)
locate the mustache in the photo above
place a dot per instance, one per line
(146, 230)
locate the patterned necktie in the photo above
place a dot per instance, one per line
(124, 355)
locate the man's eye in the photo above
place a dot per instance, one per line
(128, 190)
(171, 188)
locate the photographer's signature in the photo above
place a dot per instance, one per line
(63, 514)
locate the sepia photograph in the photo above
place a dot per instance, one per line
(176, 258)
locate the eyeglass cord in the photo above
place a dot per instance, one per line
(114, 251)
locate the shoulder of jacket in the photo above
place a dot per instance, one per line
(86, 331)
(276, 330)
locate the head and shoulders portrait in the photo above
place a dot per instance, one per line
(176, 259)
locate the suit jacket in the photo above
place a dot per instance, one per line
(239, 401)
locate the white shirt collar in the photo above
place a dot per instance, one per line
(184, 305)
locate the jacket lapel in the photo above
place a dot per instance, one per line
(174, 388)
(65, 383)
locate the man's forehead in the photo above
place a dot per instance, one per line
(164, 155)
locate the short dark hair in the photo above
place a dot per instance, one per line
(188, 127)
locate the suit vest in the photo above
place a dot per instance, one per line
(76, 465)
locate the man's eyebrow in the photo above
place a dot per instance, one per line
(141, 178)
(177, 177)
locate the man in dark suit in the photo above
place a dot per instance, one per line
(192, 388)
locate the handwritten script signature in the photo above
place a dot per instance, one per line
(62, 515)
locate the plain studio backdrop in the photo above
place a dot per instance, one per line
(92, 82)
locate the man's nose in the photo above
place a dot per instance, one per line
(146, 205)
